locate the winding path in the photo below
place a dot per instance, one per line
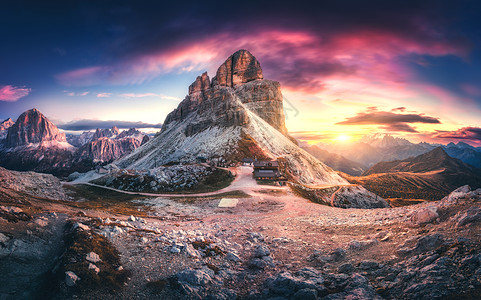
(243, 181)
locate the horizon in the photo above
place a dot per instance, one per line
(409, 69)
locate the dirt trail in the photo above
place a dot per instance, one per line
(333, 196)
(243, 181)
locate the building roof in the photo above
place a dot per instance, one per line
(267, 173)
(266, 163)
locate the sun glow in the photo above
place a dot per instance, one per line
(343, 138)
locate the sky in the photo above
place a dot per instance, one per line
(347, 68)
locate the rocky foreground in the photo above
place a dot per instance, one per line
(271, 244)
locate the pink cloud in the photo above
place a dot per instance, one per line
(104, 95)
(300, 60)
(12, 93)
(73, 94)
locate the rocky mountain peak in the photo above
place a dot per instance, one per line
(32, 127)
(222, 102)
(241, 67)
(99, 133)
(4, 125)
(201, 83)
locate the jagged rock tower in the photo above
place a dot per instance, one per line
(237, 114)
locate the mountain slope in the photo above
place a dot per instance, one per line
(436, 159)
(429, 176)
(34, 143)
(5, 124)
(336, 161)
(33, 129)
(464, 152)
(235, 115)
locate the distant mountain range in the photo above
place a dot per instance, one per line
(336, 161)
(429, 176)
(375, 148)
(34, 143)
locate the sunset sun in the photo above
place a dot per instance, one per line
(343, 138)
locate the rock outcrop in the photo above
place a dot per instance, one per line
(239, 77)
(100, 133)
(32, 127)
(106, 150)
(107, 145)
(241, 67)
(5, 124)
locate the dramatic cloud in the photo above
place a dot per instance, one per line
(465, 133)
(296, 43)
(392, 121)
(94, 124)
(12, 93)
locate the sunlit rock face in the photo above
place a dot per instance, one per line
(238, 79)
(4, 125)
(32, 127)
(99, 133)
(241, 67)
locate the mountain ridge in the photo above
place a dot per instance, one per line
(429, 176)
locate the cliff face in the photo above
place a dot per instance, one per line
(106, 150)
(32, 127)
(100, 133)
(238, 79)
(241, 67)
(5, 124)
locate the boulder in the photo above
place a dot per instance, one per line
(424, 215)
(472, 215)
(93, 257)
(71, 278)
(196, 277)
(455, 195)
(261, 251)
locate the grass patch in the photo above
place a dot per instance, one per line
(78, 244)
(218, 180)
(107, 200)
(14, 217)
(398, 202)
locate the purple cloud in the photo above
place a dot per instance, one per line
(465, 133)
(12, 93)
(392, 121)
